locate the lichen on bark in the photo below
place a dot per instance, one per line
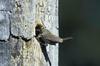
(18, 19)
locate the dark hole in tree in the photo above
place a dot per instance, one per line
(38, 30)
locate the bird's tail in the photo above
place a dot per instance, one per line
(67, 38)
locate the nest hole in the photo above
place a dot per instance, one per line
(38, 29)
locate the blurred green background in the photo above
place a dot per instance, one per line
(81, 20)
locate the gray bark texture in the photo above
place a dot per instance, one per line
(18, 19)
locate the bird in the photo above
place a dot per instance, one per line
(46, 37)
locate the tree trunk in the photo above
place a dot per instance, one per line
(18, 44)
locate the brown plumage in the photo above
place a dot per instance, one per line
(46, 36)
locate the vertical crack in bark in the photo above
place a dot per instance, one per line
(9, 25)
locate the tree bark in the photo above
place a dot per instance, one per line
(18, 44)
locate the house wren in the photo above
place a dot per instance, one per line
(47, 37)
